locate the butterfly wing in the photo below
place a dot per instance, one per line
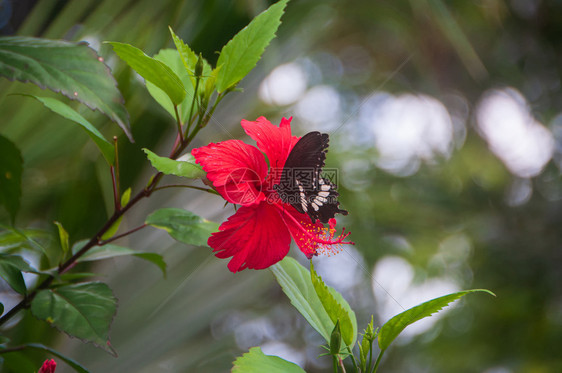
(301, 183)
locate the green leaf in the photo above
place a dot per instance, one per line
(62, 109)
(126, 197)
(189, 59)
(172, 167)
(73, 363)
(10, 175)
(171, 58)
(12, 275)
(14, 239)
(336, 307)
(73, 277)
(255, 361)
(112, 251)
(82, 310)
(63, 236)
(75, 70)
(110, 232)
(154, 258)
(11, 268)
(393, 327)
(152, 70)
(1, 311)
(297, 285)
(183, 225)
(18, 262)
(239, 56)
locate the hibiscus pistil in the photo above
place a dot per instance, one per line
(314, 239)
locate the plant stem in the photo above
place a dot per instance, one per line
(116, 202)
(178, 122)
(353, 359)
(370, 356)
(190, 121)
(120, 210)
(117, 173)
(340, 360)
(378, 361)
(335, 362)
(121, 235)
(212, 191)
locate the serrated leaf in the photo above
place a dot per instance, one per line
(11, 168)
(255, 361)
(183, 225)
(111, 251)
(336, 307)
(171, 58)
(73, 363)
(189, 59)
(393, 327)
(82, 310)
(106, 148)
(75, 70)
(63, 236)
(151, 70)
(172, 167)
(297, 285)
(239, 56)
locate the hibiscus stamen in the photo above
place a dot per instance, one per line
(318, 239)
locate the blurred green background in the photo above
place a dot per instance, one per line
(446, 131)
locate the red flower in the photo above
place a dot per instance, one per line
(259, 234)
(48, 366)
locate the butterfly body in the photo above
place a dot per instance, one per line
(302, 185)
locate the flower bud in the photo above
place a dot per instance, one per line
(48, 366)
(335, 339)
(199, 67)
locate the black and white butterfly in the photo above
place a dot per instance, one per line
(302, 185)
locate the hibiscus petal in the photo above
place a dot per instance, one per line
(302, 229)
(237, 170)
(275, 142)
(255, 237)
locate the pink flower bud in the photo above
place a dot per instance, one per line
(48, 366)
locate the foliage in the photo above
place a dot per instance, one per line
(363, 53)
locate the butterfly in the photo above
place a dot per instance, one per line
(302, 185)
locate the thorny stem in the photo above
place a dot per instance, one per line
(118, 213)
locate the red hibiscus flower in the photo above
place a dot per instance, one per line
(259, 234)
(48, 366)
